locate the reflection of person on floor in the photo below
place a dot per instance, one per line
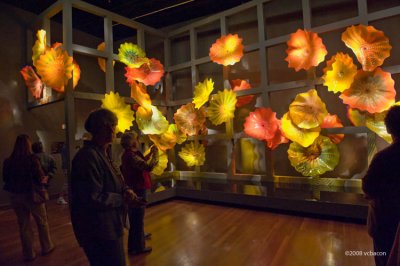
(20, 170)
(135, 168)
(99, 194)
(382, 188)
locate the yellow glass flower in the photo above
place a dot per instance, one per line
(190, 120)
(376, 123)
(76, 73)
(101, 61)
(227, 50)
(117, 105)
(162, 162)
(322, 156)
(169, 138)
(339, 72)
(55, 68)
(156, 124)
(305, 137)
(40, 46)
(202, 92)
(307, 110)
(131, 55)
(193, 154)
(222, 107)
(370, 45)
(356, 117)
(140, 95)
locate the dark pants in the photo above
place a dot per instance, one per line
(136, 239)
(382, 244)
(101, 252)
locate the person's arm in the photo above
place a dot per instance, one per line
(140, 163)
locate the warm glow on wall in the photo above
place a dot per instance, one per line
(227, 50)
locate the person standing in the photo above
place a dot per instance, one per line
(20, 171)
(135, 168)
(99, 194)
(46, 161)
(381, 185)
(64, 166)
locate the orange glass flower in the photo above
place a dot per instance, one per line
(40, 46)
(227, 50)
(76, 73)
(189, 119)
(55, 68)
(333, 121)
(169, 138)
(278, 139)
(32, 81)
(339, 72)
(239, 85)
(305, 50)
(305, 137)
(307, 110)
(101, 61)
(261, 124)
(370, 45)
(371, 91)
(148, 73)
(140, 95)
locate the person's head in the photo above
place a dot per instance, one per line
(130, 140)
(22, 146)
(37, 147)
(101, 123)
(392, 121)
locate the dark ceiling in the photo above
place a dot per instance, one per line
(154, 13)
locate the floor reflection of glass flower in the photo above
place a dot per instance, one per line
(55, 68)
(117, 105)
(131, 55)
(190, 120)
(40, 46)
(261, 124)
(322, 156)
(32, 81)
(239, 85)
(156, 124)
(193, 154)
(370, 45)
(222, 107)
(227, 50)
(339, 72)
(149, 73)
(202, 92)
(140, 95)
(333, 121)
(305, 137)
(101, 61)
(305, 50)
(371, 91)
(307, 110)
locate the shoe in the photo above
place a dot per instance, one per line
(61, 201)
(141, 251)
(44, 253)
(30, 258)
(147, 235)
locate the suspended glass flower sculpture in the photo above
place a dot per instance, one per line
(32, 81)
(307, 110)
(222, 107)
(76, 73)
(305, 50)
(333, 121)
(117, 105)
(227, 50)
(371, 91)
(305, 137)
(169, 138)
(156, 124)
(40, 46)
(131, 55)
(193, 154)
(320, 157)
(376, 123)
(101, 61)
(239, 85)
(149, 73)
(370, 45)
(356, 117)
(202, 92)
(278, 138)
(339, 72)
(190, 120)
(55, 68)
(162, 163)
(261, 124)
(140, 95)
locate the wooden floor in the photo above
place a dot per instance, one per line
(188, 233)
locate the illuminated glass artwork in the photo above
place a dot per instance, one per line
(202, 92)
(222, 107)
(76, 73)
(278, 138)
(305, 50)
(189, 119)
(333, 121)
(249, 155)
(305, 137)
(131, 55)
(376, 123)
(140, 95)
(32, 81)
(339, 72)
(40, 46)
(307, 110)
(261, 124)
(149, 73)
(161, 164)
(227, 50)
(238, 85)
(101, 61)
(322, 156)
(169, 138)
(373, 91)
(370, 45)
(117, 105)
(156, 124)
(193, 154)
(356, 117)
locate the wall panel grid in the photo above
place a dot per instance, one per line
(266, 24)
